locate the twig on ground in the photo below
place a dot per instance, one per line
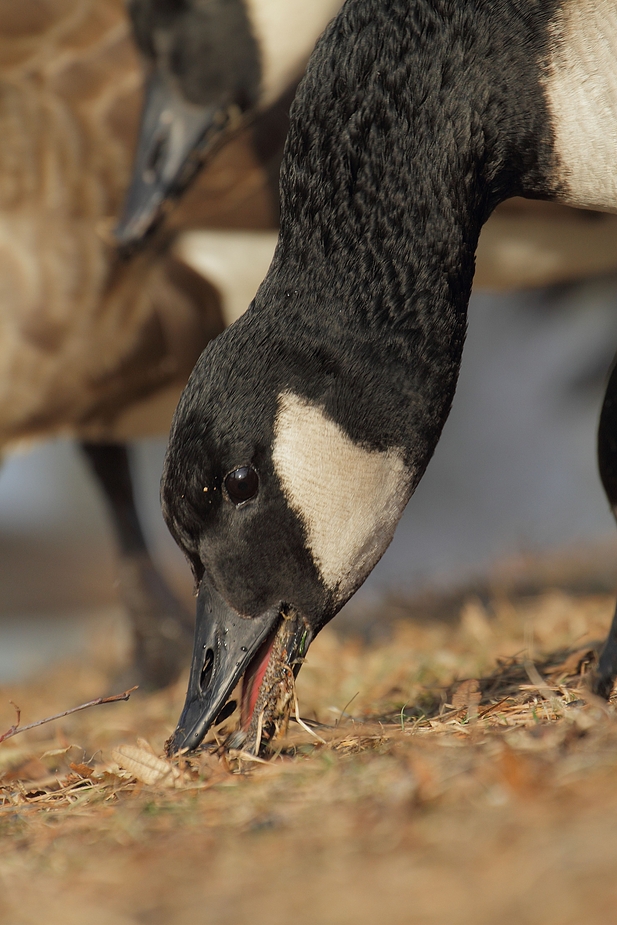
(538, 681)
(542, 687)
(246, 756)
(344, 710)
(299, 719)
(16, 728)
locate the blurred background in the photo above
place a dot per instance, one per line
(513, 487)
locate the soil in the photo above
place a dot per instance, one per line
(467, 776)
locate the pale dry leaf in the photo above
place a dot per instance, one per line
(55, 752)
(145, 766)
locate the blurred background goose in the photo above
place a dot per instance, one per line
(95, 344)
(84, 335)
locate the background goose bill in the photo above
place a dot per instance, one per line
(226, 646)
(173, 140)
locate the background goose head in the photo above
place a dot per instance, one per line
(209, 64)
(306, 426)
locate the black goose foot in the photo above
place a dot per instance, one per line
(605, 673)
(602, 685)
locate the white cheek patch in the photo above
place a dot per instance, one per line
(349, 499)
(286, 31)
(581, 88)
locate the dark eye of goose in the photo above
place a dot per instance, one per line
(242, 484)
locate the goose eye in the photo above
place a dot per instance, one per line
(242, 484)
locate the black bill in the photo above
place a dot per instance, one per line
(225, 643)
(174, 137)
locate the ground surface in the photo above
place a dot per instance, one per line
(467, 777)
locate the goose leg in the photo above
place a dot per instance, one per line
(162, 628)
(606, 670)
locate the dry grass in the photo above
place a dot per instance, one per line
(467, 776)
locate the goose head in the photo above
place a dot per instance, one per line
(208, 65)
(283, 489)
(202, 65)
(306, 426)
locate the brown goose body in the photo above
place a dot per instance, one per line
(84, 335)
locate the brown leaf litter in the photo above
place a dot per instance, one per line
(456, 772)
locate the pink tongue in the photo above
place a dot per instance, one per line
(252, 682)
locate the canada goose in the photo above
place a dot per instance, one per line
(306, 426)
(92, 345)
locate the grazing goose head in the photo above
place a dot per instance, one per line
(306, 425)
(209, 62)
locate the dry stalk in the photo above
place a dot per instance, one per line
(299, 720)
(260, 726)
(15, 729)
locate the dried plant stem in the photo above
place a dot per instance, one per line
(16, 728)
(246, 756)
(542, 687)
(299, 719)
(260, 726)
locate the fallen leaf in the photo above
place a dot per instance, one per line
(145, 766)
(84, 770)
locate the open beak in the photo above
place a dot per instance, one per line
(225, 644)
(266, 651)
(173, 138)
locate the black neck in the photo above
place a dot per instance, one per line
(415, 118)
